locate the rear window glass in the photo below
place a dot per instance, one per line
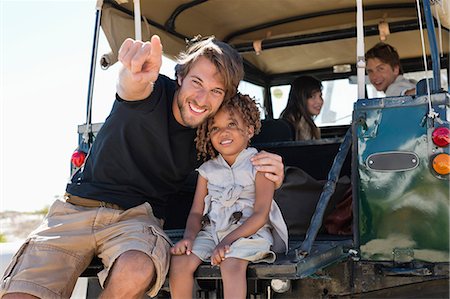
(338, 95)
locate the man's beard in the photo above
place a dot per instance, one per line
(188, 119)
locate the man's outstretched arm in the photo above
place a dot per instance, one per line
(141, 62)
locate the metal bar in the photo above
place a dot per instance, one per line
(328, 190)
(360, 60)
(92, 74)
(170, 23)
(370, 30)
(433, 46)
(137, 20)
(311, 264)
(352, 9)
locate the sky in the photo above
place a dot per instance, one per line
(45, 50)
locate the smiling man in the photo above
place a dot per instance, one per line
(385, 72)
(116, 202)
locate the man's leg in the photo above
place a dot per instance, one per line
(48, 263)
(132, 274)
(135, 253)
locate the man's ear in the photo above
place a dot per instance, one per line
(251, 131)
(396, 70)
(179, 80)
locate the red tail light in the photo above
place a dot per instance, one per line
(441, 136)
(78, 158)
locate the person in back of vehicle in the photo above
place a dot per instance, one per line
(304, 104)
(385, 71)
(115, 203)
(234, 219)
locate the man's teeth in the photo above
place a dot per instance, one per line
(197, 110)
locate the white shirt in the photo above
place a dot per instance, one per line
(400, 86)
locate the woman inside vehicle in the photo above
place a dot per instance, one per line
(304, 104)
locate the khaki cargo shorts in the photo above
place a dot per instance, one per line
(51, 259)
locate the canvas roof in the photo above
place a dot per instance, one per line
(295, 36)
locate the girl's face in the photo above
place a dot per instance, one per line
(314, 103)
(229, 134)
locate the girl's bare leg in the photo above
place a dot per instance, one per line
(181, 275)
(234, 278)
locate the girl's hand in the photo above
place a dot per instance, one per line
(219, 252)
(271, 165)
(183, 246)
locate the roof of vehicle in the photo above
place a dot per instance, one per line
(294, 36)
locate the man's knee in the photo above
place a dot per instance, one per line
(133, 265)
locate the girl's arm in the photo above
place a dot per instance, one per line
(271, 165)
(193, 224)
(263, 201)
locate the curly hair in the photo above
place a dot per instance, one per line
(242, 104)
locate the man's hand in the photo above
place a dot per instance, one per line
(141, 64)
(183, 246)
(271, 165)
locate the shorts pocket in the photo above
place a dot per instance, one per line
(162, 244)
(161, 258)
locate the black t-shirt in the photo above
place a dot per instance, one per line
(140, 154)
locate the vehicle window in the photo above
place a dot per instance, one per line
(338, 95)
(416, 76)
(279, 96)
(256, 92)
(168, 67)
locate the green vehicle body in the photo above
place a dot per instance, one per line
(404, 210)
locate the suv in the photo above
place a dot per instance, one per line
(391, 153)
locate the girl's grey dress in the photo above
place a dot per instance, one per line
(229, 203)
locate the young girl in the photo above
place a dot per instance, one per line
(233, 219)
(304, 104)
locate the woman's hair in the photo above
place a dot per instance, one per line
(241, 104)
(385, 53)
(226, 59)
(302, 88)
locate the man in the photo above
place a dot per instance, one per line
(385, 72)
(115, 204)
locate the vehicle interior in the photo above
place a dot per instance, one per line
(295, 38)
(279, 41)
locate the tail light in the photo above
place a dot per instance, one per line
(441, 136)
(78, 158)
(441, 164)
